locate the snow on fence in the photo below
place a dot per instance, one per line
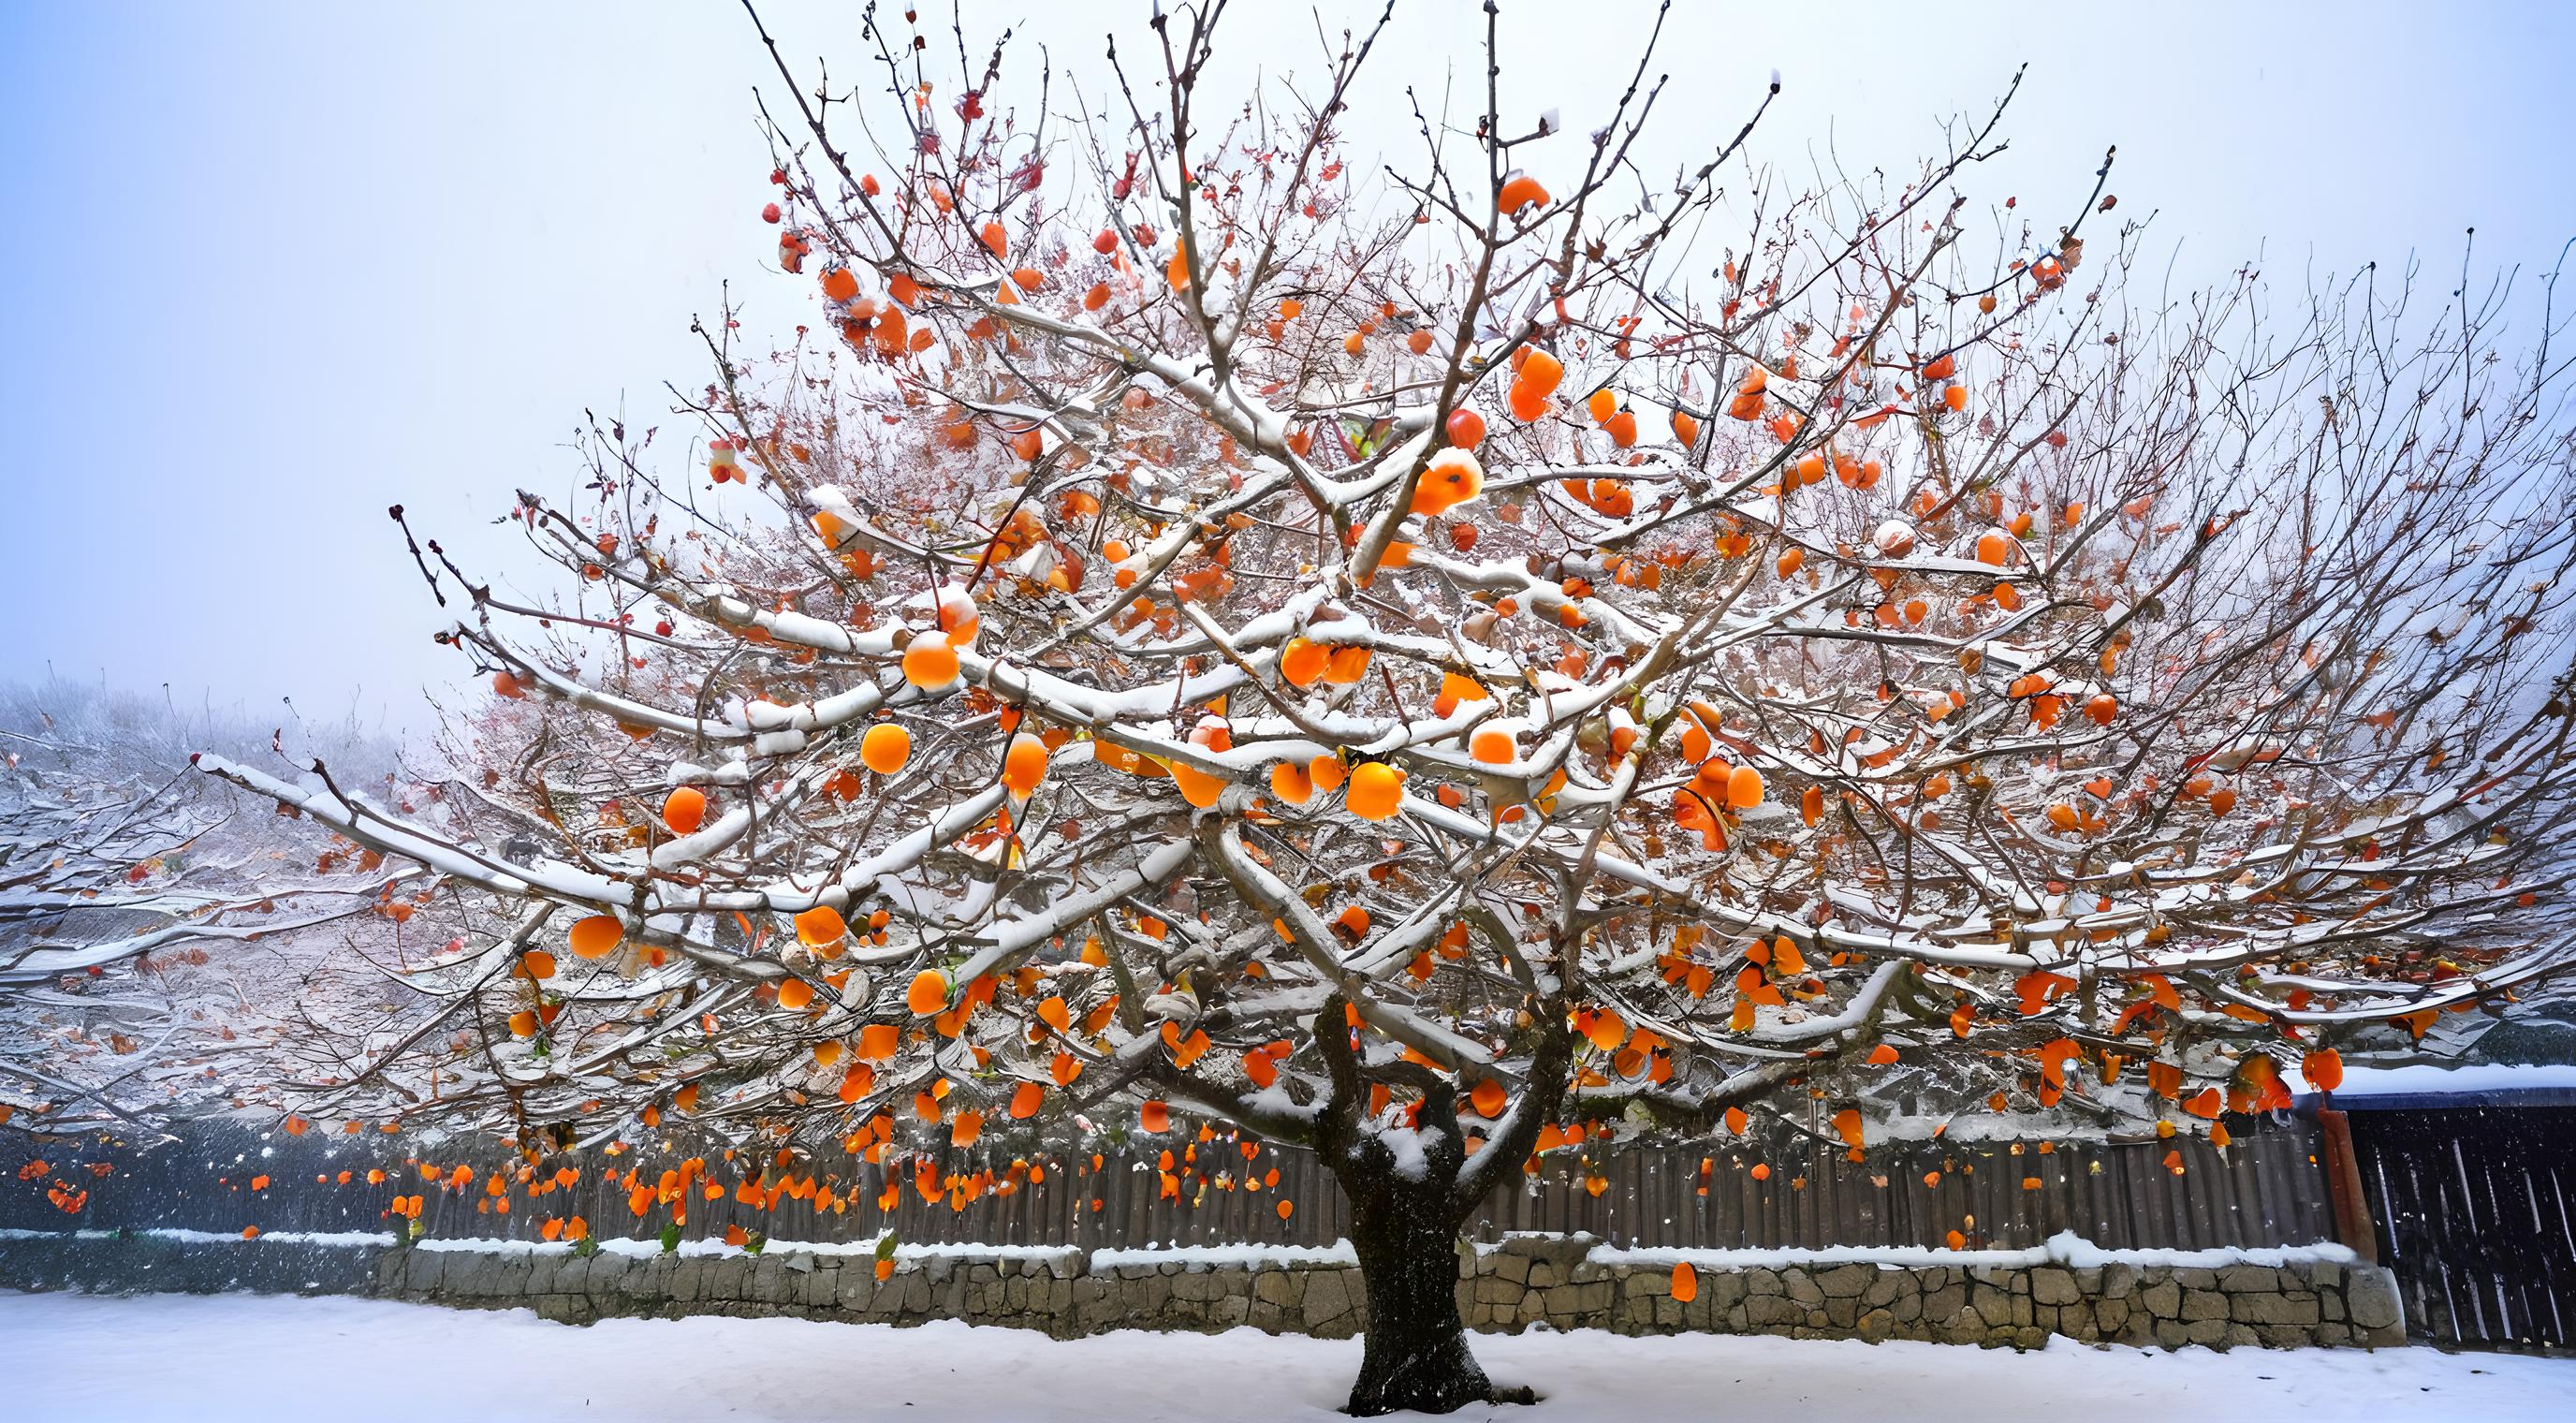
(2265, 1190)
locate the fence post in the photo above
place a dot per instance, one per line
(2343, 1187)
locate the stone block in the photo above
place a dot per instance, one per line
(565, 1309)
(1581, 1301)
(2051, 1285)
(1991, 1304)
(1772, 1312)
(2378, 1315)
(1149, 1297)
(474, 1274)
(1965, 1327)
(2203, 1304)
(1096, 1304)
(2273, 1309)
(1846, 1281)
(1330, 1298)
(2249, 1279)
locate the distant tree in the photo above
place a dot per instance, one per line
(110, 854)
(1194, 630)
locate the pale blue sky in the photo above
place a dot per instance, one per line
(269, 267)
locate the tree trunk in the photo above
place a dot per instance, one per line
(1406, 1212)
(1416, 1354)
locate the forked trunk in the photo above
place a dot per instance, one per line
(1416, 1354)
(1408, 1195)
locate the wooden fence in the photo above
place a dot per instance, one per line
(2265, 1189)
(2477, 1217)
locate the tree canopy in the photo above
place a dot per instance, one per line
(1199, 626)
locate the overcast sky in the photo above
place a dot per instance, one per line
(270, 267)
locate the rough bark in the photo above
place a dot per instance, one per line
(1405, 1221)
(1415, 1352)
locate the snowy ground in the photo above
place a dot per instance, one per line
(285, 1360)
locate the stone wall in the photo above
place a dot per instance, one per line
(2285, 1306)
(1563, 1282)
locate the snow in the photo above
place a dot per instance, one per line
(281, 1359)
(218, 1237)
(2064, 1248)
(2424, 1079)
(702, 1248)
(1409, 1148)
(1337, 1253)
(271, 1237)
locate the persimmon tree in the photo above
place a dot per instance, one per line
(1197, 627)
